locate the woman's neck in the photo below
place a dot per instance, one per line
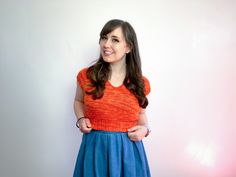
(118, 67)
(118, 72)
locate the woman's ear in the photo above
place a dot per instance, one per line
(128, 50)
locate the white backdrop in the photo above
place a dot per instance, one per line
(188, 51)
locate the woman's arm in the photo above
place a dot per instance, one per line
(84, 123)
(141, 130)
(143, 117)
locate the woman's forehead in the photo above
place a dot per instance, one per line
(116, 33)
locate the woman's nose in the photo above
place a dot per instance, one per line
(107, 43)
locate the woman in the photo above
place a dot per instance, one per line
(110, 107)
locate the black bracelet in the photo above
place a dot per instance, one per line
(148, 130)
(77, 122)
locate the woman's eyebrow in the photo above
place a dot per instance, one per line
(115, 36)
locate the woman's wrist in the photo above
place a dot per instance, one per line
(77, 122)
(148, 129)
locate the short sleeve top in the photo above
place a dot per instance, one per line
(118, 109)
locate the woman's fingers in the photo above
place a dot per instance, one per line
(137, 133)
(85, 125)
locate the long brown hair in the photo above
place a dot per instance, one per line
(99, 72)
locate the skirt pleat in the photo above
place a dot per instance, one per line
(111, 154)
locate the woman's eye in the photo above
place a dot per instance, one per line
(115, 40)
(103, 38)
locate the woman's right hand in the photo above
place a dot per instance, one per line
(85, 125)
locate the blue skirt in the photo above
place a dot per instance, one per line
(111, 154)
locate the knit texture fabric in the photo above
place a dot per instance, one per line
(118, 109)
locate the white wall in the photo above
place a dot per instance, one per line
(188, 52)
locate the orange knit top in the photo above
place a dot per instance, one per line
(118, 109)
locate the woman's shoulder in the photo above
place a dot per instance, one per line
(83, 70)
(147, 87)
(82, 76)
(145, 78)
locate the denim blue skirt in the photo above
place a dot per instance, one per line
(111, 154)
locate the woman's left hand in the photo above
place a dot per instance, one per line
(137, 133)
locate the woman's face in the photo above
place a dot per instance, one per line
(113, 46)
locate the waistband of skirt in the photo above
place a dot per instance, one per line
(107, 132)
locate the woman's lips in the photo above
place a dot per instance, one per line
(107, 53)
